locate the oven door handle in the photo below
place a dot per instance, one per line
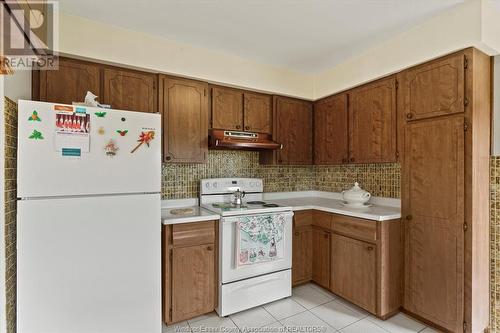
(274, 278)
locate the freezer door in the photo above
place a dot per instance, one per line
(56, 157)
(89, 265)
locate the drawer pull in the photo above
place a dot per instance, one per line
(370, 248)
(209, 248)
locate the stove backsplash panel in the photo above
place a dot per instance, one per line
(182, 180)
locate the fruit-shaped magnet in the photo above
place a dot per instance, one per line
(111, 148)
(34, 117)
(100, 114)
(36, 135)
(101, 131)
(145, 137)
(122, 132)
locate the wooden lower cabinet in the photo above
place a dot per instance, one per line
(354, 271)
(359, 260)
(321, 257)
(189, 270)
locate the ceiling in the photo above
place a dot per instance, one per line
(306, 36)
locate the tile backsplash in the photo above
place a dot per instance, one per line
(10, 148)
(495, 243)
(182, 180)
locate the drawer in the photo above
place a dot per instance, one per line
(322, 219)
(195, 233)
(354, 227)
(302, 218)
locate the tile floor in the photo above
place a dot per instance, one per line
(311, 309)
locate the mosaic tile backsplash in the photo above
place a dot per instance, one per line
(182, 180)
(10, 211)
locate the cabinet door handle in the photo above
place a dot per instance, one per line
(238, 126)
(247, 127)
(409, 217)
(352, 159)
(296, 233)
(370, 248)
(168, 158)
(344, 160)
(409, 115)
(209, 248)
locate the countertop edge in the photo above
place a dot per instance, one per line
(190, 219)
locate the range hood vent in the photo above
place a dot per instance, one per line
(224, 139)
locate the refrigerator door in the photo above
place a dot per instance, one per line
(89, 265)
(56, 157)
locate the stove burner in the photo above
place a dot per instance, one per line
(255, 202)
(270, 205)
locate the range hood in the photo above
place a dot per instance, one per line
(224, 139)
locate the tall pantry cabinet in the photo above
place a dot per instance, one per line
(444, 121)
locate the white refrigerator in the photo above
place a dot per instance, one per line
(89, 225)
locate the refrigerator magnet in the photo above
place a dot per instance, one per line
(144, 138)
(101, 131)
(122, 132)
(111, 148)
(34, 117)
(100, 114)
(36, 135)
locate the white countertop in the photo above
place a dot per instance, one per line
(383, 209)
(197, 215)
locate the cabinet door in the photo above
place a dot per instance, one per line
(372, 122)
(185, 120)
(293, 119)
(257, 113)
(130, 90)
(321, 257)
(70, 82)
(331, 130)
(193, 281)
(302, 255)
(227, 108)
(354, 271)
(434, 89)
(433, 203)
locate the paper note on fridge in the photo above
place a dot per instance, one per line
(72, 130)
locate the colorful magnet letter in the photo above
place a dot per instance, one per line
(122, 132)
(34, 117)
(100, 114)
(101, 131)
(145, 137)
(36, 135)
(110, 148)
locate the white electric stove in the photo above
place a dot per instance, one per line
(255, 244)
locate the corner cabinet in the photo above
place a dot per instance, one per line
(189, 270)
(331, 131)
(292, 127)
(184, 105)
(372, 122)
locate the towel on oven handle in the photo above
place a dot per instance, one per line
(260, 238)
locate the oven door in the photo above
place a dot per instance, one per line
(229, 249)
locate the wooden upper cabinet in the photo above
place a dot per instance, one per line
(185, 120)
(257, 113)
(331, 130)
(293, 120)
(129, 90)
(434, 89)
(354, 271)
(227, 108)
(433, 203)
(372, 122)
(69, 83)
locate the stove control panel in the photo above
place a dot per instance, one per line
(230, 185)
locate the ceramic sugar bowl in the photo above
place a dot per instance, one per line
(356, 196)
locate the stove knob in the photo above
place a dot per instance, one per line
(252, 184)
(214, 185)
(207, 185)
